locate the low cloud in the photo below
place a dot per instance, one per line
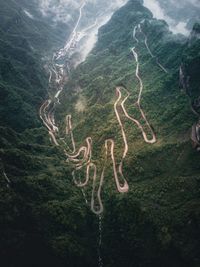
(58, 9)
(94, 10)
(28, 14)
(61, 10)
(180, 15)
(91, 39)
(159, 13)
(184, 3)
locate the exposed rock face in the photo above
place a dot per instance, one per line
(195, 34)
(184, 80)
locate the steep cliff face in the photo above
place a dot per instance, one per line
(189, 80)
(192, 60)
(45, 219)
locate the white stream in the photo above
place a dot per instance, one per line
(100, 261)
(8, 182)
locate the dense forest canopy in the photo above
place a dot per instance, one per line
(100, 133)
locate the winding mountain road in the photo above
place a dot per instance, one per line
(46, 112)
(84, 168)
(138, 28)
(141, 87)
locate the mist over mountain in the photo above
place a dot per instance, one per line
(180, 16)
(99, 133)
(95, 11)
(63, 10)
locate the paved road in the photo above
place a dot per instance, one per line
(81, 158)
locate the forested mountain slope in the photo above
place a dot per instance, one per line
(31, 170)
(25, 41)
(45, 220)
(163, 177)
